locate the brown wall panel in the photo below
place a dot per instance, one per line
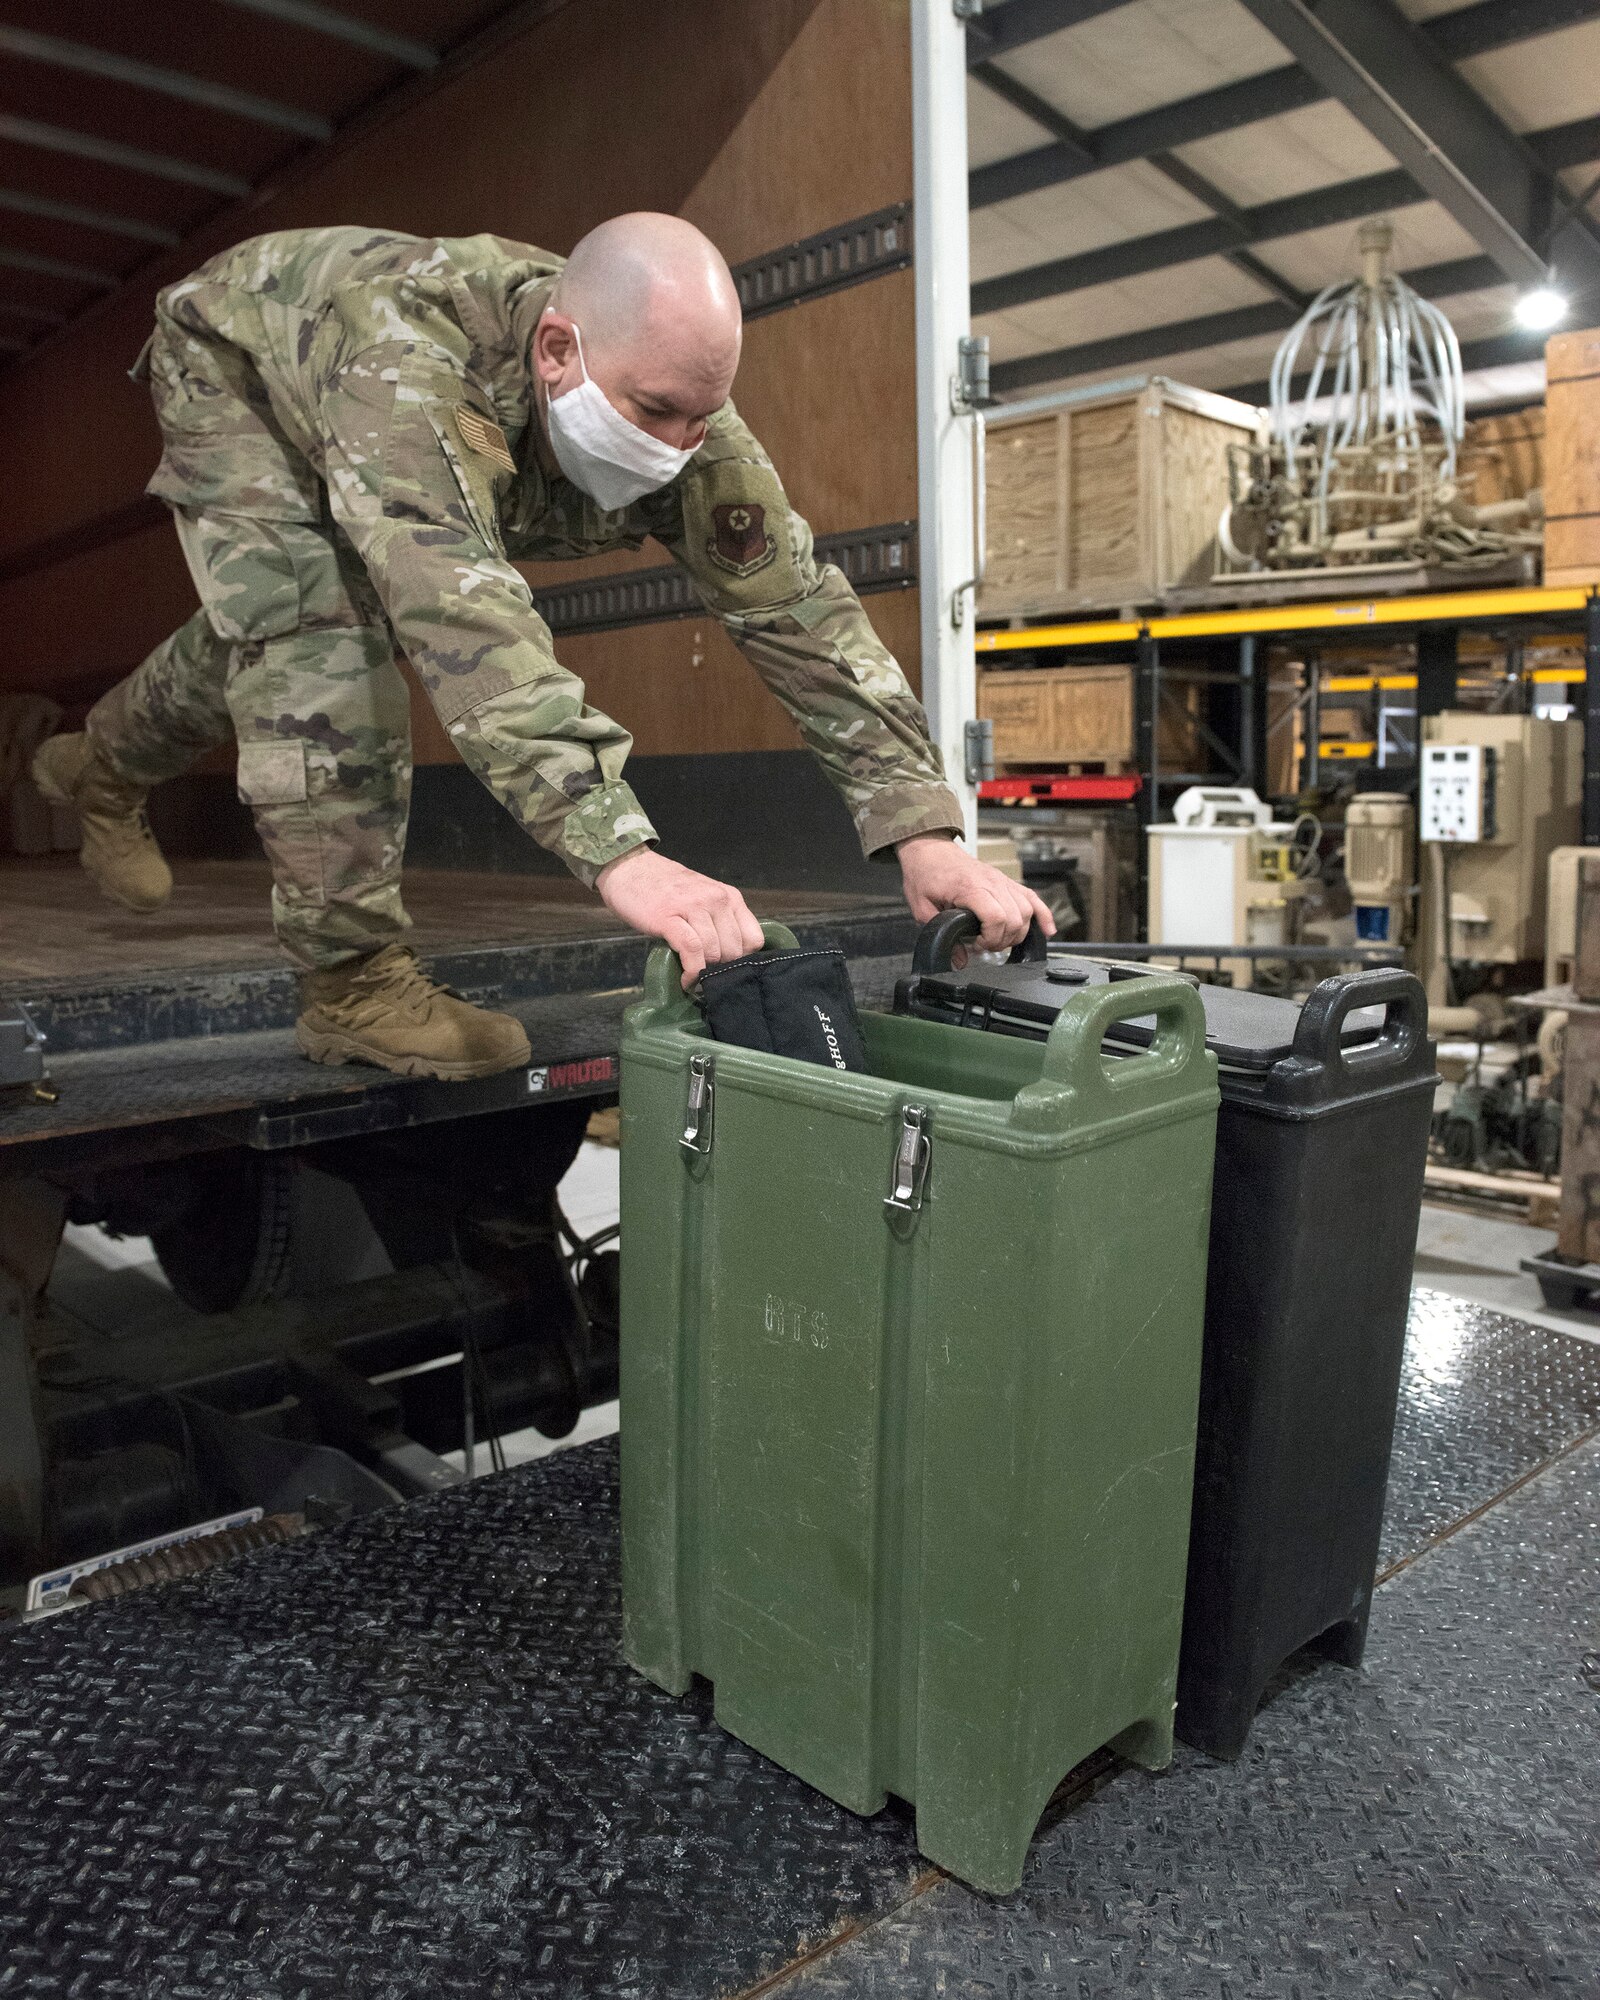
(897, 619)
(523, 144)
(678, 686)
(761, 123)
(829, 387)
(682, 687)
(92, 617)
(827, 137)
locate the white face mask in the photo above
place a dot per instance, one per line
(605, 456)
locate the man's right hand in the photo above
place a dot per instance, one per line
(704, 921)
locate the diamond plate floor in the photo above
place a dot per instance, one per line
(1483, 1399)
(404, 1761)
(1424, 1829)
(411, 1764)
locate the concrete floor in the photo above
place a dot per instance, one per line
(1480, 1257)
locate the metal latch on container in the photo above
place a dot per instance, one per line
(696, 1135)
(909, 1175)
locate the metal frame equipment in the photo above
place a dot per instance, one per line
(1190, 644)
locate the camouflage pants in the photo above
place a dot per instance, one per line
(291, 651)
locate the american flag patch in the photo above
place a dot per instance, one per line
(484, 436)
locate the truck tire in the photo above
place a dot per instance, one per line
(233, 1246)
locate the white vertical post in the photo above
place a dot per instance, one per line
(945, 455)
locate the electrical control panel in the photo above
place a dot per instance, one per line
(1458, 792)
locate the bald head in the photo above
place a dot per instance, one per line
(659, 318)
(642, 277)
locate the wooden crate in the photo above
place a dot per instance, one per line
(1045, 716)
(1060, 715)
(1104, 498)
(1502, 457)
(1572, 460)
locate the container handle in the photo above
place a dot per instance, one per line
(1077, 1073)
(663, 976)
(940, 936)
(1319, 1033)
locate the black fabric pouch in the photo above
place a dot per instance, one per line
(789, 1003)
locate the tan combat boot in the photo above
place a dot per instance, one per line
(119, 850)
(387, 1011)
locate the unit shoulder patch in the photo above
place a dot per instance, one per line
(739, 540)
(484, 436)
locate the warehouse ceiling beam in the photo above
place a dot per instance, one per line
(1455, 277)
(1071, 138)
(1191, 118)
(1150, 343)
(86, 61)
(1232, 219)
(1368, 56)
(998, 30)
(1493, 24)
(1156, 343)
(111, 153)
(53, 267)
(1229, 106)
(1573, 145)
(33, 315)
(344, 28)
(87, 218)
(1345, 201)
(1233, 231)
(1475, 30)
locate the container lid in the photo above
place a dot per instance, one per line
(1244, 1030)
(1356, 1035)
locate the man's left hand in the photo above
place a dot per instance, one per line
(939, 874)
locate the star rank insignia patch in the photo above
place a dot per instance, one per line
(484, 436)
(739, 540)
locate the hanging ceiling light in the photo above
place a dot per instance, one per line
(1541, 309)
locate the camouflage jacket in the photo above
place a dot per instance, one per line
(356, 369)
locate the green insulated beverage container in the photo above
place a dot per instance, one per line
(910, 1367)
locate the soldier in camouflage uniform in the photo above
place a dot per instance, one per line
(357, 447)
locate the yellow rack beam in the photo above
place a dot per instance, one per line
(1441, 608)
(1367, 683)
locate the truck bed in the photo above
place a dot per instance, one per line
(173, 1033)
